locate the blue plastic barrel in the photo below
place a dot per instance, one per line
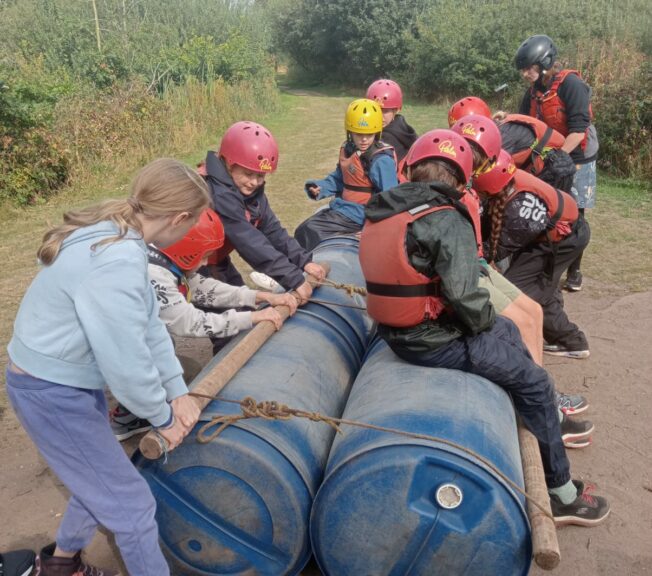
(393, 505)
(240, 505)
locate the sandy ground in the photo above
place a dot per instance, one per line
(617, 378)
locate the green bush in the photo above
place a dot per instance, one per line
(33, 164)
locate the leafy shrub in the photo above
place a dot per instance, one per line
(33, 163)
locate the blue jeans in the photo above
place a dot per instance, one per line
(499, 355)
(70, 427)
(584, 185)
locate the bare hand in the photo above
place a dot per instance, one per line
(186, 411)
(314, 190)
(284, 299)
(268, 314)
(304, 292)
(174, 435)
(315, 270)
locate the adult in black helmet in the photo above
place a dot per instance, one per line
(560, 98)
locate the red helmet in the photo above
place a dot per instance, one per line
(386, 92)
(251, 146)
(444, 144)
(205, 236)
(466, 106)
(498, 177)
(481, 130)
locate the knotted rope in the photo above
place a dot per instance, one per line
(350, 289)
(272, 410)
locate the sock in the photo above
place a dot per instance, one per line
(566, 493)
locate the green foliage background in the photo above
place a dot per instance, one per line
(87, 82)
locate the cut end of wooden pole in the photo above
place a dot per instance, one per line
(151, 447)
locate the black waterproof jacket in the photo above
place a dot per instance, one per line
(266, 247)
(399, 134)
(439, 244)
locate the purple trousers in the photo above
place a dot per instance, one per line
(70, 427)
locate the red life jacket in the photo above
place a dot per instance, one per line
(546, 138)
(471, 200)
(397, 295)
(357, 185)
(549, 107)
(226, 249)
(562, 208)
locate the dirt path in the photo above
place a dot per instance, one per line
(617, 379)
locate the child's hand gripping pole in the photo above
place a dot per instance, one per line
(152, 445)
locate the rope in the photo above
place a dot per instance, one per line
(351, 289)
(272, 410)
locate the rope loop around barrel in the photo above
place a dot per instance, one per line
(273, 410)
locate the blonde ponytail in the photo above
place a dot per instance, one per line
(164, 187)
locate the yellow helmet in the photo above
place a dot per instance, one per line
(364, 116)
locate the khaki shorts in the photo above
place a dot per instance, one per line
(501, 291)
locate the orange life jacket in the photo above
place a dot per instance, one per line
(546, 138)
(562, 208)
(549, 107)
(397, 294)
(471, 200)
(358, 187)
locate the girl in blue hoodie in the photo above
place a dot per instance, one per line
(89, 320)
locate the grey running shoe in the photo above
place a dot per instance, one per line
(573, 281)
(576, 433)
(572, 404)
(561, 350)
(17, 563)
(125, 425)
(586, 510)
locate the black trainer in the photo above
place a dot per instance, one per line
(573, 281)
(586, 510)
(17, 563)
(576, 433)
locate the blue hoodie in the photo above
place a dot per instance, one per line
(90, 319)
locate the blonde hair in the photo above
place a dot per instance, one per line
(164, 187)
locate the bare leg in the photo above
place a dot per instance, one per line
(528, 317)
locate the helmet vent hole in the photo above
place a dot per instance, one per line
(462, 149)
(481, 129)
(435, 140)
(260, 157)
(257, 133)
(273, 158)
(247, 128)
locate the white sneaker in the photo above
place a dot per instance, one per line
(266, 283)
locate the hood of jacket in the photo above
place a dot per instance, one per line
(401, 130)
(410, 195)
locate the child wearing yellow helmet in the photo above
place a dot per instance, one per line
(366, 166)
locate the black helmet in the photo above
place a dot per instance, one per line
(537, 49)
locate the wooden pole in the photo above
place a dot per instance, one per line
(545, 547)
(213, 382)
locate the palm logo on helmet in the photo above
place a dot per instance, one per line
(364, 116)
(251, 146)
(466, 106)
(446, 145)
(386, 92)
(483, 132)
(204, 237)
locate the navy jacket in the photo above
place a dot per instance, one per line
(267, 248)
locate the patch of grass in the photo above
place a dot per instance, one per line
(310, 130)
(621, 235)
